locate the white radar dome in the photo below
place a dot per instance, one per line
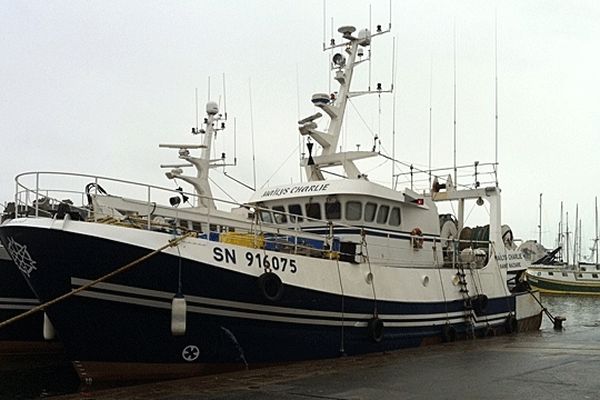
(212, 108)
(365, 37)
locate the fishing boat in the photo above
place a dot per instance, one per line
(29, 336)
(16, 296)
(574, 276)
(318, 269)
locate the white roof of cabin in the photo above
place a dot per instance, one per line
(354, 187)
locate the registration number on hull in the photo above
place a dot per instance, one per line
(255, 259)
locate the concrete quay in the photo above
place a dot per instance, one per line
(545, 364)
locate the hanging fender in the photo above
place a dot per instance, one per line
(375, 328)
(270, 286)
(480, 303)
(416, 237)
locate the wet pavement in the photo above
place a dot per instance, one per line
(547, 364)
(544, 364)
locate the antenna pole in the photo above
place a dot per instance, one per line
(197, 110)
(252, 132)
(496, 89)
(324, 22)
(576, 237)
(560, 230)
(455, 171)
(596, 238)
(208, 88)
(430, 112)
(540, 225)
(235, 140)
(224, 98)
(579, 240)
(300, 137)
(328, 61)
(393, 110)
(567, 237)
(370, 30)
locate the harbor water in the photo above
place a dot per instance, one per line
(43, 376)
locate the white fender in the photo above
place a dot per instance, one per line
(178, 315)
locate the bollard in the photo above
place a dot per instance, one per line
(558, 321)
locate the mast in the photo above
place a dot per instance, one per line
(561, 233)
(540, 224)
(496, 91)
(576, 237)
(454, 95)
(567, 237)
(213, 124)
(596, 238)
(334, 105)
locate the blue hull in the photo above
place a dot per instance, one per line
(229, 321)
(16, 297)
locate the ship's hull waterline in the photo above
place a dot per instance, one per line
(124, 324)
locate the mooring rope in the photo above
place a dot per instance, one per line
(337, 261)
(364, 242)
(544, 309)
(171, 243)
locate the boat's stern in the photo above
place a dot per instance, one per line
(528, 309)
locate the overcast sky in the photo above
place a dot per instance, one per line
(95, 86)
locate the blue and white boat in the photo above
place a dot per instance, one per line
(312, 270)
(30, 336)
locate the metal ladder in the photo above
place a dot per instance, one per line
(467, 301)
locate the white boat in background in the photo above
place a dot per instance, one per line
(564, 277)
(309, 270)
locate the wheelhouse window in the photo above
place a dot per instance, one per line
(295, 209)
(395, 217)
(565, 274)
(279, 215)
(333, 209)
(313, 210)
(594, 275)
(382, 214)
(265, 216)
(370, 209)
(353, 210)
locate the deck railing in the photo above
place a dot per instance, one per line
(37, 195)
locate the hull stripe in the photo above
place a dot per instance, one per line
(18, 300)
(298, 316)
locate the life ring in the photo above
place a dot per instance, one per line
(479, 303)
(375, 328)
(511, 325)
(448, 333)
(270, 286)
(417, 238)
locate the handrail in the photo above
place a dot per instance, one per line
(97, 178)
(271, 232)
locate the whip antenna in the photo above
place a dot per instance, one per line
(197, 110)
(252, 132)
(224, 99)
(496, 91)
(454, 131)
